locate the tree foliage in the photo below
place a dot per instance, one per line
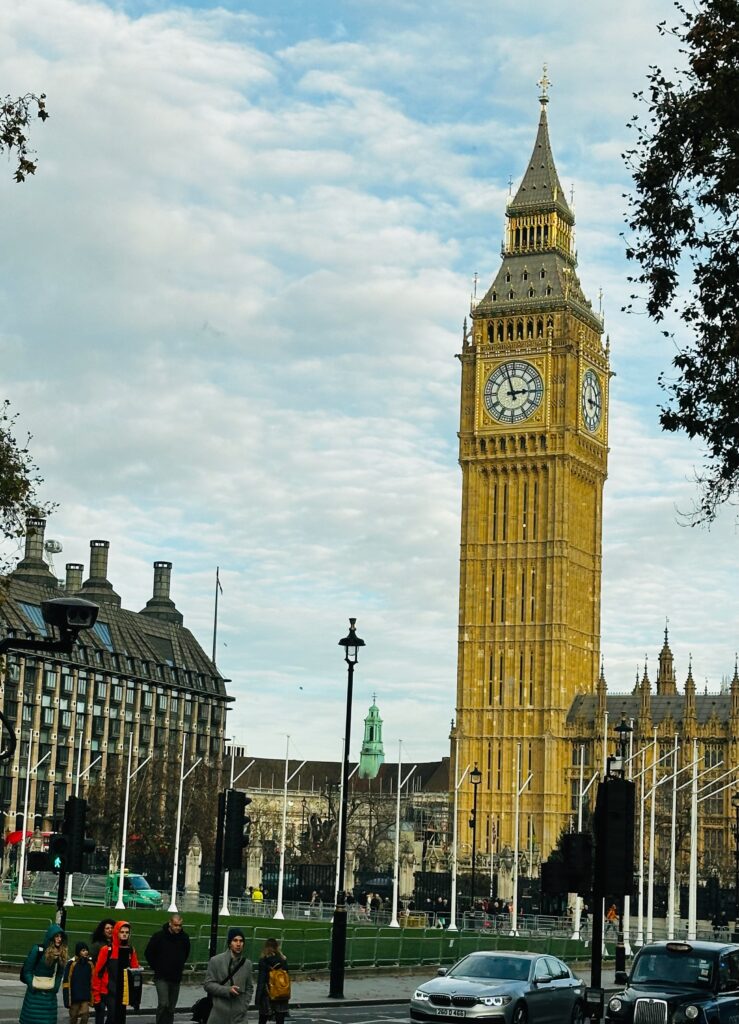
(16, 114)
(684, 221)
(19, 480)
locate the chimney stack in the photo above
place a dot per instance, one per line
(160, 605)
(98, 588)
(33, 568)
(74, 577)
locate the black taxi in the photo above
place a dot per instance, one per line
(679, 982)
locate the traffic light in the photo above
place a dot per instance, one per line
(58, 853)
(75, 817)
(236, 831)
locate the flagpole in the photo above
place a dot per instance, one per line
(215, 614)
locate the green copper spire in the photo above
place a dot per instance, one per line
(373, 753)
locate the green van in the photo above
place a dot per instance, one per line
(136, 891)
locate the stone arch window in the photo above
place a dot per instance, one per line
(490, 334)
(483, 446)
(510, 294)
(542, 273)
(509, 330)
(519, 329)
(538, 234)
(500, 330)
(501, 444)
(495, 296)
(508, 277)
(525, 275)
(546, 233)
(522, 443)
(549, 289)
(531, 293)
(529, 328)
(550, 323)
(540, 328)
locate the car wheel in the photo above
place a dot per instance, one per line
(520, 1014)
(578, 1014)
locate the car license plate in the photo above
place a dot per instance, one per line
(446, 1012)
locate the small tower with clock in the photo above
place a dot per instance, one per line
(533, 450)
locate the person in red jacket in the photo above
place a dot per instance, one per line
(111, 962)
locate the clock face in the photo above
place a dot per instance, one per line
(592, 401)
(513, 391)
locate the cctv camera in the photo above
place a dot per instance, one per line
(70, 615)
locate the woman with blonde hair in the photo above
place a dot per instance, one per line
(42, 974)
(273, 984)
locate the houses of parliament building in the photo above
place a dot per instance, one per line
(532, 697)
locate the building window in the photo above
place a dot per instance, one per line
(117, 694)
(67, 682)
(101, 689)
(533, 595)
(49, 678)
(502, 596)
(499, 770)
(523, 596)
(492, 598)
(535, 512)
(33, 613)
(147, 699)
(525, 511)
(488, 781)
(102, 632)
(81, 684)
(521, 683)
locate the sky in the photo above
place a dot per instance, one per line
(230, 303)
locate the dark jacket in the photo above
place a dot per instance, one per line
(261, 999)
(77, 986)
(167, 953)
(39, 1005)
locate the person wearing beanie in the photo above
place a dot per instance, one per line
(228, 981)
(77, 985)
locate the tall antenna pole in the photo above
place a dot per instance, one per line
(215, 612)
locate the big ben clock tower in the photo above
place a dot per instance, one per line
(533, 450)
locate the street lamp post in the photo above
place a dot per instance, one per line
(475, 779)
(735, 805)
(351, 644)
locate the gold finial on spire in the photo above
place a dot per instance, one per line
(544, 85)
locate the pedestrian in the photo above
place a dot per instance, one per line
(167, 952)
(611, 920)
(257, 895)
(77, 985)
(102, 936)
(42, 974)
(112, 961)
(273, 984)
(228, 982)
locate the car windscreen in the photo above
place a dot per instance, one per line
(137, 882)
(672, 967)
(507, 968)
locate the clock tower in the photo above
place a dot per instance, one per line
(533, 447)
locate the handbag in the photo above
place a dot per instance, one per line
(201, 1009)
(44, 982)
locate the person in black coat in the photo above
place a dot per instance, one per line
(167, 952)
(77, 985)
(266, 1007)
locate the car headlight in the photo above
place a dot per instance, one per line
(495, 1000)
(615, 1004)
(691, 1012)
(420, 995)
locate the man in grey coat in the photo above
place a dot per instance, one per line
(229, 982)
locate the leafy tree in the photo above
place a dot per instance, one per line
(16, 114)
(684, 221)
(19, 480)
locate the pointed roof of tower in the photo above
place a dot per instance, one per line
(540, 187)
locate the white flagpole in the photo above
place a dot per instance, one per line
(281, 877)
(68, 902)
(120, 905)
(22, 858)
(673, 829)
(652, 808)
(396, 863)
(453, 922)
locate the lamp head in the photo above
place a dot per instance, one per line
(351, 644)
(475, 776)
